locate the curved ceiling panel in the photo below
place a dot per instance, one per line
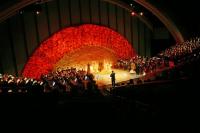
(166, 21)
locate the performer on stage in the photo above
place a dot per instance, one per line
(112, 75)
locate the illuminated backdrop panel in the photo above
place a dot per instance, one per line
(70, 39)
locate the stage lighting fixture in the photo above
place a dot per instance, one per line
(141, 13)
(37, 12)
(132, 13)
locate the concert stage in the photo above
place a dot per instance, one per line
(100, 61)
(103, 78)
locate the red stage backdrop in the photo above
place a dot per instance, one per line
(72, 38)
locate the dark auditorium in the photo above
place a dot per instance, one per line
(99, 65)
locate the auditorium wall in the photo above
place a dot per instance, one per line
(22, 33)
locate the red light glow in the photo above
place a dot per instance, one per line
(132, 13)
(70, 39)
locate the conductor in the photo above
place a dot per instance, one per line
(112, 75)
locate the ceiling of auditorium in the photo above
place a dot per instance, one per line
(183, 13)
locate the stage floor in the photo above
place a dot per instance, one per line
(103, 78)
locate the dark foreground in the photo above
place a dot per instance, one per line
(153, 107)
